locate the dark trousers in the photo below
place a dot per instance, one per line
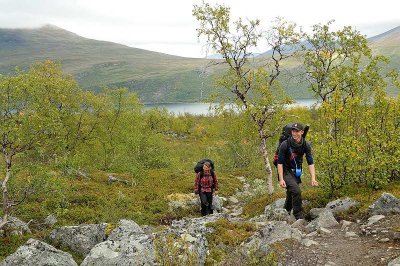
(293, 195)
(206, 203)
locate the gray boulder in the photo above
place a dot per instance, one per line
(395, 262)
(276, 212)
(50, 220)
(386, 204)
(125, 228)
(38, 253)
(314, 212)
(325, 219)
(374, 219)
(341, 205)
(271, 233)
(277, 204)
(79, 238)
(15, 226)
(132, 250)
(190, 235)
(217, 203)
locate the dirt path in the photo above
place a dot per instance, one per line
(376, 245)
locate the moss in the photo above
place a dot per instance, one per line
(256, 206)
(226, 236)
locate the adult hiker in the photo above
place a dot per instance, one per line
(206, 184)
(290, 159)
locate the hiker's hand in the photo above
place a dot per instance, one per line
(314, 183)
(282, 183)
(216, 192)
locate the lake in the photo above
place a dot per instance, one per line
(203, 108)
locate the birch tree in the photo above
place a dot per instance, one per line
(254, 91)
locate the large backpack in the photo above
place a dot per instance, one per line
(199, 165)
(286, 133)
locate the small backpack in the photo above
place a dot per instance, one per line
(286, 133)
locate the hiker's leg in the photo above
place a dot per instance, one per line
(210, 199)
(293, 189)
(204, 203)
(288, 201)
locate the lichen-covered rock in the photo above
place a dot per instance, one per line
(79, 238)
(15, 226)
(341, 205)
(178, 201)
(124, 229)
(325, 219)
(38, 253)
(386, 204)
(271, 233)
(276, 212)
(217, 203)
(132, 250)
(395, 262)
(50, 220)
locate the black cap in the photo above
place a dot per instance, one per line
(297, 126)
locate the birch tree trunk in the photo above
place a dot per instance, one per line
(6, 203)
(267, 165)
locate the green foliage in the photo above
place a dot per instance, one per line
(9, 244)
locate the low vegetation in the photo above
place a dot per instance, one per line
(62, 148)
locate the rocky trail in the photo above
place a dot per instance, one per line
(322, 241)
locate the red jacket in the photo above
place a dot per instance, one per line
(207, 183)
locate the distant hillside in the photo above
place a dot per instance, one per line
(155, 76)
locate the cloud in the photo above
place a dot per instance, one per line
(164, 24)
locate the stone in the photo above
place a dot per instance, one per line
(386, 204)
(341, 205)
(325, 219)
(132, 250)
(233, 200)
(345, 224)
(112, 179)
(38, 253)
(79, 238)
(374, 219)
(395, 262)
(217, 203)
(183, 201)
(277, 214)
(277, 204)
(350, 234)
(50, 220)
(308, 242)
(271, 233)
(300, 223)
(314, 212)
(15, 226)
(125, 229)
(323, 231)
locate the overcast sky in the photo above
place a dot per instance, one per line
(167, 26)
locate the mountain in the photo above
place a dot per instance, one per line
(156, 77)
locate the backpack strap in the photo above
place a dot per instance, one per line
(212, 175)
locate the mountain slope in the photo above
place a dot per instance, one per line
(155, 77)
(98, 63)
